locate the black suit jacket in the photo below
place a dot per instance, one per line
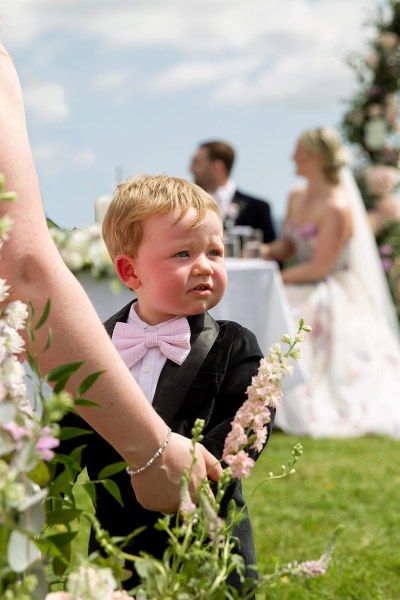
(255, 213)
(211, 384)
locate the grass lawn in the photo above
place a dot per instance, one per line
(354, 483)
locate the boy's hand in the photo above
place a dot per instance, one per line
(158, 487)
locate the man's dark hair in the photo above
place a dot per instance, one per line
(220, 151)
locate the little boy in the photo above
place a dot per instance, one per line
(165, 237)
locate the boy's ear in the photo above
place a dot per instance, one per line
(125, 268)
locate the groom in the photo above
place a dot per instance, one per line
(211, 167)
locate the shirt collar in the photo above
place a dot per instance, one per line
(224, 195)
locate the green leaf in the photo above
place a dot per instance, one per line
(44, 316)
(90, 489)
(31, 315)
(63, 372)
(49, 340)
(88, 382)
(87, 403)
(68, 433)
(60, 565)
(112, 469)
(40, 474)
(112, 489)
(31, 335)
(63, 538)
(32, 362)
(63, 515)
(61, 483)
(60, 385)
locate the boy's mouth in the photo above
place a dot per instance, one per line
(202, 287)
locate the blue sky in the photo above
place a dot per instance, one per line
(117, 87)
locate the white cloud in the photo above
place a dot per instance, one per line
(247, 51)
(83, 159)
(201, 72)
(118, 83)
(46, 101)
(54, 157)
(48, 152)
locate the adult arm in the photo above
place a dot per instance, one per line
(281, 249)
(33, 268)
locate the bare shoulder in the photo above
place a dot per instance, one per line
(295, 201)
(338, 206)
(337, 215)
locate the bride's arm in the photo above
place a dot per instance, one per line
(332, 234)
(32, 266)
(281, 249)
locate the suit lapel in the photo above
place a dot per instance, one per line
(175, 381)
(121, 315)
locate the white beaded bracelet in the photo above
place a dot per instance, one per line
(152, 459)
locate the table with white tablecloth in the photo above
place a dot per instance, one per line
(255, 298)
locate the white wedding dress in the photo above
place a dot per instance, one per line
(353, 352)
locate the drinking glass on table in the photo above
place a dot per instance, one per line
(252, 244)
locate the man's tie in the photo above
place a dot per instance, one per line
(172, 338)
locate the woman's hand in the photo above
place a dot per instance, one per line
(158, 487)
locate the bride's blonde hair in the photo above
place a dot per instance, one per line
(325, 142)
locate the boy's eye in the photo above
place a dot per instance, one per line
(182, 253)
(216, 252)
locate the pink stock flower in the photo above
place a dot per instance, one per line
(45, 444)
(3, 391)
(240, 464)
(309, 568)
(261, 436)
(17, 431)
(248, 428)
(215, 532)
(236, 438)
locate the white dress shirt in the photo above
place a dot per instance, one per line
(224, 196)
(148, 369)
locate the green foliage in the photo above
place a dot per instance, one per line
(371, 119)
(354, 483)
(371, 122)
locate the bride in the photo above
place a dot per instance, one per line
(335, 281)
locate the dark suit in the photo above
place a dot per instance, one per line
(255, 213)
(211, 385)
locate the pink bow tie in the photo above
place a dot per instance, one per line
(132, 341)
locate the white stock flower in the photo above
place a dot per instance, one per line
(74, 260)
(58, 235)
(98, 255)
(12, 372)
(12, 493)
(77, 241)
(3, 290)
(90, 583)
(94, 231)
(13, 341)
(16, 314)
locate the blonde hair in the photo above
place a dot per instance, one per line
(325, 142)
(144, 195)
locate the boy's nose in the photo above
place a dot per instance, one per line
(202, 266)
